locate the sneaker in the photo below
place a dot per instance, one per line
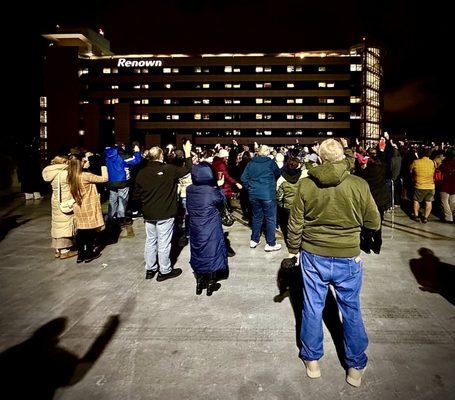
(354, 376)
(150, 273)
(272, 248)
(173, 274)
(312, 369)
(254, 244)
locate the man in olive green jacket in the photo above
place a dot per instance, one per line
(330, 208)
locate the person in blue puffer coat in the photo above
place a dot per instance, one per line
(118, 169)
(207, 242)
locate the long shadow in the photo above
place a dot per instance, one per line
(37, 367)
(9, 223)
(290, 284)
(433, 275)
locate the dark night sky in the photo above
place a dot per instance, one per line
(416, 40)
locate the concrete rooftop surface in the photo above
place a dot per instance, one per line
(141, 339)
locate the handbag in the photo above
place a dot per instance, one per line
(226, 217)
(66, 207)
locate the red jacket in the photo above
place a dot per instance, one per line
(448, 176)
(220, 166)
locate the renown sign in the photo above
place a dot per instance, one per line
(123, 62)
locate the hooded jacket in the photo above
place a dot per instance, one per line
(203, 197)
(260, 177)
(117, 167)
(330, 208)
(287, 186)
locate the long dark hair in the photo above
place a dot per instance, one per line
(74, 177)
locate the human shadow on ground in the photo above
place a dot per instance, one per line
(433, 275)
(290, 284)
(9, 223)
(37, 367)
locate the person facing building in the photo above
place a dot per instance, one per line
(422, 171)
(260, 178)
(156, 187)
(118, 169)
(330, 208)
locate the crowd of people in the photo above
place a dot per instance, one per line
(327, 199)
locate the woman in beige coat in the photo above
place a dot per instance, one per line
(62, 226)
(87, 209)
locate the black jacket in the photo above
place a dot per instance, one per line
(156, 188)
(375, 175)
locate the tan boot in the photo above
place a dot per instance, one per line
(354, 376)
(312, 369)
(68, 254)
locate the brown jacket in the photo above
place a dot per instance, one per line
(62, 225)
(89, 215)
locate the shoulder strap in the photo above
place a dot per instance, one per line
(59, 189)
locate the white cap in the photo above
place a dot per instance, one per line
(223, 153)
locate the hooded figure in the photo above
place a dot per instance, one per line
(207, 242)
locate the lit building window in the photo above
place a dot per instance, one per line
(43, 132)
(267, 69)
(227, 101)
(267, 101)
(228, 85)
(197, 101)
(198, 70)
(81, 132)
(137, 116)
(145, 70)
(321, 69)
(331, 85)
(259, 85)
(236, 101)
(146, 86)
(206, 86)
(236, 69)
(267, 133)
(205, 70)
(113, 87)
(137, 70)
(298, 69)
(206, 116)
(83, 102)
(329, 133)
(175, 70)
(228, 68)
(136, 102)
(290, 101)
(236, 85)
(259, 69)
(355, 99)
(321, 116)
(167, 85)
(197, 116)
(299, 101)
(267, 85)
(330, 101)
(259, 101)
(106, 70)
(166, 70)
(114, 101)
(115, 70)
(175, 116)
(227, 116)
(290, 68)
(144, 101)
(290, 116)
(144, 116)
(137, 86)
(356, 67)
(299, 116)
(43, 116)
(205, 101)
(322, 84)
(330, 116)
(83, 71)
(268, 116)
(166, 101)
(355, 116)
(43, 101)
(258, 116)
(290, 85)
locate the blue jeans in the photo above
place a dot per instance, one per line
(263, 210)
(345, 275)
(158, 245)
(117, 202)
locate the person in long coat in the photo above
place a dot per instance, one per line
(207, 242)
(87, 209)
(62, 225)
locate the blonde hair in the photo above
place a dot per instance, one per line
(264, 150)
(59, 160)
(154, 153)
(331, 150)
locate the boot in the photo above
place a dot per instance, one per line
(212, 284)
(201, 283)
(92, 252)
